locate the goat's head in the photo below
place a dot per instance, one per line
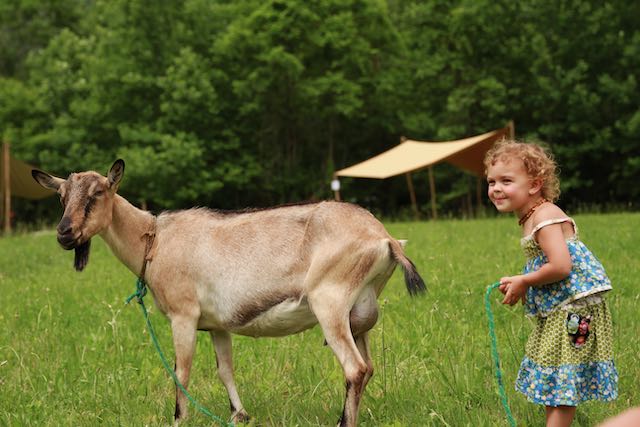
(87, 199)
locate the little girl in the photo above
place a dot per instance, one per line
(568, 357)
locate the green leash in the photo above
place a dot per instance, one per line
(494, 352)
(141, 291)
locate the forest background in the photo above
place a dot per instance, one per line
(239, 103)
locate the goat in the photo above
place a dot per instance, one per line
(269, 272)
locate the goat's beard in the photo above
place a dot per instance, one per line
(81, 258)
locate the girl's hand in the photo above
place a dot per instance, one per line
(514, 288)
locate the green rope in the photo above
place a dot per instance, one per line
(494, 352)
(141, 291)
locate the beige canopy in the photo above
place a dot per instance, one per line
(16, 180)
(413, 155)
(410, 156)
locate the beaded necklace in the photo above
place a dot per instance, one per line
(531, 211)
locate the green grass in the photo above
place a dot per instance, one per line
(71, 353)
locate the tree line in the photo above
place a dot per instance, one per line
(235, 103)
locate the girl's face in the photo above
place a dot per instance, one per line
(511, 189)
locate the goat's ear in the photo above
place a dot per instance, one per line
(46, 180)
(115, 174)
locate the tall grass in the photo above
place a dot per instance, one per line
(72, 354)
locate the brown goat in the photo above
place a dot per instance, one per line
(270, 272)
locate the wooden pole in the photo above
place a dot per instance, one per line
(2, 186)
(6, 183)
(512, 129)
(478, 194)
(432, 190)
(335, 186)
(412, 194)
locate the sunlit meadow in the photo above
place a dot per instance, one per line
(72, 354)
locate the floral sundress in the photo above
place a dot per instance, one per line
(569, 355)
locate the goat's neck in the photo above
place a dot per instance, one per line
(125, 234)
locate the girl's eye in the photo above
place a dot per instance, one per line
(98, 193)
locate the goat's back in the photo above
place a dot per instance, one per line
(275, 242)
(313, 221)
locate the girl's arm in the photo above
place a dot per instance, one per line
(558, 266)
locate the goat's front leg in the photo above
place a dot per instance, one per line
(224, 361)
(184, 343)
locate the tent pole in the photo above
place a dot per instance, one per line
(335, 187)
(6, 181)
(412, 194)
(512, 130)
(2, 186)
(432, 190)
(478, 195)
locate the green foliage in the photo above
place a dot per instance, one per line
(303, 76)
(28, 25)
(239, 103)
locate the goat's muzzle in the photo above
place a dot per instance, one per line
(67, 241)
(66, 236)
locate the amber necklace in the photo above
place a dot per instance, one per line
(531, 211)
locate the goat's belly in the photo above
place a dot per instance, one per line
(289, 317)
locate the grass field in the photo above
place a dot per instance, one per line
(72, 354)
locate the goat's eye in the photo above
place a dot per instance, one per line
(98, 193)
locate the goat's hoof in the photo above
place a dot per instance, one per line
(178, 420)
(240, 417)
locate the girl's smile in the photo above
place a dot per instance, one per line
(511, 189)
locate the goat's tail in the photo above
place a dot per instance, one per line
(413, 281)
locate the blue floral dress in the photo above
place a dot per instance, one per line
(569, 355)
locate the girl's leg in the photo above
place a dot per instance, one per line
(560, 416)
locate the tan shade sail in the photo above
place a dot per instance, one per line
(410, 156)
(21, 182)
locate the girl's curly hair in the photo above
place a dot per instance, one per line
(538, 162)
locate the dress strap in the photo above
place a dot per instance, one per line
(555, 221)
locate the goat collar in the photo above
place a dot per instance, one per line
(150, 237)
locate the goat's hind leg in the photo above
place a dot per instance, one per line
(362, 342)
(224, 361)
(332, 311)
(362, 318)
